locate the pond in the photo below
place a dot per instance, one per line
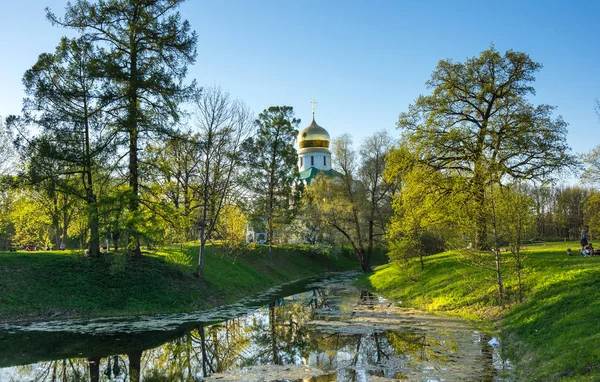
(314, 330)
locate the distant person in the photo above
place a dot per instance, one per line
(62, 245)
(584, 237)
(47, 247)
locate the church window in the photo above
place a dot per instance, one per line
(300, 161)
(324, 161)
(312, 160)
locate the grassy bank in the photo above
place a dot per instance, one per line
(61, 284)
(553, 335)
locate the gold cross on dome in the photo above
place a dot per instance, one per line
(313, 102)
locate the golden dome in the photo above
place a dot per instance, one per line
(313, 136)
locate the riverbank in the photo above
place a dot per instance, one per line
(553, 335)
(48, 285)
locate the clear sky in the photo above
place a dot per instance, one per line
(363, 61)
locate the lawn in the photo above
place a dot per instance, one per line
(60, 284)
(552, 334)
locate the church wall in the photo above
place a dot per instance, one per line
(304, 161)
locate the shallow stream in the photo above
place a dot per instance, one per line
(314, 330)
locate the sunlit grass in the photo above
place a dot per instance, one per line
(60, 284)
(553, 334)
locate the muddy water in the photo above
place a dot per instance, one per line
(314, 330)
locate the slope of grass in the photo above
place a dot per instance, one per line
(552, 335)
(59, 284)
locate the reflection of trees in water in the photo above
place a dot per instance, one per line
(226, 344)
(175, 360)
(317, 299)
(277, 334)
(202, 351)
(419, 346)
(282, 337)
(59, 370)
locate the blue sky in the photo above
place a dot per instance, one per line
(363, 61)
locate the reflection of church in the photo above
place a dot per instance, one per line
(313, 154)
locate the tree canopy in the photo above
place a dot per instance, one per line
(478, 124)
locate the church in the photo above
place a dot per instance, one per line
(313, 150)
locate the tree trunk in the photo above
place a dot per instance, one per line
(203, 344)
(200, 268)
(365, 262)
(481, 242)
(274, 349)
(94, 367)
(499, 276)
(135, 365)
(93, 223)
(133, 139)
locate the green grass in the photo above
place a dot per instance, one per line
(553, 335)
(60, 284)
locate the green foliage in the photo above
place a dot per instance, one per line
(356, 201)
(272, 172)
(231, 229)
(551, 336)
(144, 49)
(478, 125)
(30, 223)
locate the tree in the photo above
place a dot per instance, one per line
(272, 170)
(172, 183)
(6, 148)
(231, 229)
(223, 126)
(419, 218)
(478, 124)
(31, 226)
(145, 48)
(514, 210)
(64, 100)
(373, 155)
(591, 174)
(356, 201)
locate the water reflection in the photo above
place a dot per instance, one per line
(332, 332)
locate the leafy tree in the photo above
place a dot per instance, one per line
(420, 221)
(7, 196)
(31, 226)
(478, 124)
(355, 202)
(272, 169)
(172, 183)
(569, 211)
(65, 101)
(145, 48)
(516, 221)
(231, 229)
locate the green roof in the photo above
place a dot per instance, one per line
(310, 173)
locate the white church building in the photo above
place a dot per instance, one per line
(313, 150)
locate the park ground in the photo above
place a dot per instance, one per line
(46, 285)
(554, 334)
